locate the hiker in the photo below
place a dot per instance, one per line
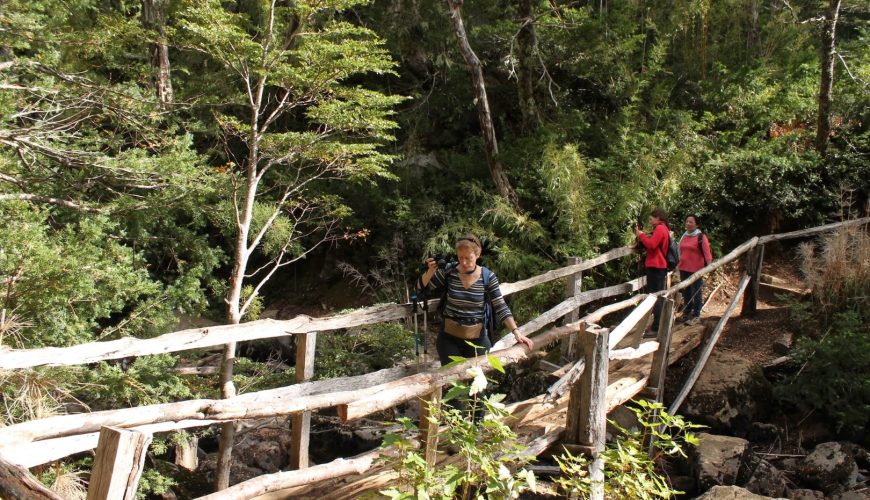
(656, 265)
(694, 254)
(466, 297)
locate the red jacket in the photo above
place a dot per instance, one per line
(656, 247)
(691, 259)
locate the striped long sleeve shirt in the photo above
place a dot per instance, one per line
(466, 305)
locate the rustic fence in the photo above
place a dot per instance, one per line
(115, 473)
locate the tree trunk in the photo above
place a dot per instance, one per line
(154, 18)
(753, 42)
(526, 40)
(829, 28)
(502, 183)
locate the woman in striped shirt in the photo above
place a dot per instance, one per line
(464, 311)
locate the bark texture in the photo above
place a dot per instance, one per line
(829, 30)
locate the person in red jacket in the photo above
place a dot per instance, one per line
(656, 264)
(694, 254)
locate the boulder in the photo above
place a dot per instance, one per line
(851, 495)
(266, 448)
(764, 479)
(717, 460)
(730, 394)
(830, 467)
(730, 493)
(806, 495)
(764, 433)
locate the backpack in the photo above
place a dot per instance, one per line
(673, 254)
(489, 325)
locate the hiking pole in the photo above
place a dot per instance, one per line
(425, 329)
(414, 314)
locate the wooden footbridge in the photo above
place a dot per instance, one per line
(610, 366)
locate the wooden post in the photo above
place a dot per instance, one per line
(429, 430)
(301, 422)
(660, 358)
(753, 269)
(656, 383)
(587, 407)
(118, 464)
(185, 453)
(573, 288)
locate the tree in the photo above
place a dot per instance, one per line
(502, 183)
(289, 123)
(826, 83)
(154, 19)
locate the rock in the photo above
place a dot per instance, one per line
(266, 448)
(730, 493)
(685, 484)
(765, 479)
(717, 459)
(782, 345)
(238, 471)
(830, 467)
(806, 495)
(764, 433)
(851, 495)
(730, 394)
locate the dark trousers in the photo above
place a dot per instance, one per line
(655, 282)
(693, 296)
(448, 345)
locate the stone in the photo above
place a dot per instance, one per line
(851, 495)
(730, 394)
(717, 460)
(830, 467)
(782, 345)
(765, 479)
(804, 494)
(730, 493)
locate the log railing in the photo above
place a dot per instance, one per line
(54, 437)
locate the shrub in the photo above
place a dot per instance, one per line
(629, 471)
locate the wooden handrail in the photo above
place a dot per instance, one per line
(197, 338)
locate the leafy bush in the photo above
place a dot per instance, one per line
(629, 472)
(487, 449)
(362, 350)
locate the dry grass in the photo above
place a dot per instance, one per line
(838, 269)
(69, 484)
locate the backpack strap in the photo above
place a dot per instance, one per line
(701, 247)
(442, 305)
(488, 313)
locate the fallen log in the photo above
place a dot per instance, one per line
(17, 483)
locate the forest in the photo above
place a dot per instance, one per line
(164, 162)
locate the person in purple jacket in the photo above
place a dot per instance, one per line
(694, 254)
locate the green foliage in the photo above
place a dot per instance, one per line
(834, 348)
(362, 350)
(147, 380)
(833, 378)
(476, 428)
(629, 472)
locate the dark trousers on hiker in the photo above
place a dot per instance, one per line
(655, 282)
(693, 296)
(448, 345)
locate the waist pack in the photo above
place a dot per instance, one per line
(465, 332)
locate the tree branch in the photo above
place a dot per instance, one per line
(47, 199)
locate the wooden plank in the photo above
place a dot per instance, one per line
(803, 233)
(118, 464)
(301, 422)
(567, 305)
(429, 429)
(660, 359)
(708, 348)
(716, 264)
(634, 352)
(573, 287)
(754, 261)
(17, 483)
(616, 253)
(640, 313)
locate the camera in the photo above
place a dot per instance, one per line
(441, 260)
